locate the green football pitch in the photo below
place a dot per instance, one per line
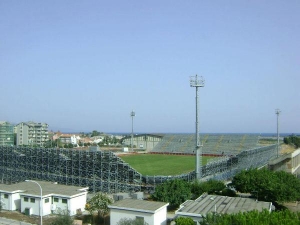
(152, 164)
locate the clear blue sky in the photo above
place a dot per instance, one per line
(84, 65)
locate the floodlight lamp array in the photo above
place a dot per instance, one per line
(195, 82)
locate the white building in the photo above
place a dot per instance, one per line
(31, 133)
(68, 138)
(150, 212)
(26, 197)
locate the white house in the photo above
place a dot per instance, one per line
(10, 199)
(153, 213)
(68, 138)
(26, 197)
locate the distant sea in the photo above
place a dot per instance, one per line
(258, 134)
(128, 133)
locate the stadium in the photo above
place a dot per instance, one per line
(105, 171)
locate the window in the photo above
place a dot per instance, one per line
(25, 199)
(64, 201)
(32, 200)
(55, 199)
(46, 200)
(139, 219)
(5, 195)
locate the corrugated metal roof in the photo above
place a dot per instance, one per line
(221, 204)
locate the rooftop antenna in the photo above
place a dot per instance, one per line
(277, 112)
(195, 82)
(132, 114)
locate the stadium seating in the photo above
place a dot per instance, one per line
(215, 144)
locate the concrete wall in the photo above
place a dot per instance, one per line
(160, 216)
(47, 205)
(72, 204)
(157, 218)
(34, 206)
(116, 215)
(76, 203)
(15, 201)
(5, 202)
(12, 202)
(289, 163)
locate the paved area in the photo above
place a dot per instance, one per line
(12, 222)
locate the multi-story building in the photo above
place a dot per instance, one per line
(30, 133)
(68, 138)
(6, 133)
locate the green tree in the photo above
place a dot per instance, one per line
(125, 221)
(253, 218)
(70, 145)
(184, 221)
(57, 143)
(267, 185)
(174, 192)
(292, 140)
(210, 187)
(99, 203)
(95, 133)
(63, 218)
(228, 192)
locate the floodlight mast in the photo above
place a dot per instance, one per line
(132, 114)
(195, 82)
(277, 112)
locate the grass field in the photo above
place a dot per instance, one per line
(151, 164)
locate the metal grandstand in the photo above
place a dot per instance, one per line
(99, 170)
(106, 172)
(213, 144)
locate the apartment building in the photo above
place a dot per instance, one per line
(68, 138)
(6, 134)
(31, 133)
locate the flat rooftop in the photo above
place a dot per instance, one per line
(31, 188)
(138, 205)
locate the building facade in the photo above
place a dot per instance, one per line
(68, 139)
(31, 133)
(151, 212)
(6, 134)
(26, 197)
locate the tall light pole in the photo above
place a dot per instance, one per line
(41, 200)
(277, 112)
(195, 82)
(132, 114)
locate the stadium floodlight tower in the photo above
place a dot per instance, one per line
(132, 114)
(277, 112)
(195, 82)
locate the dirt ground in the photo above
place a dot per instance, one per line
(284, 149)
(15, 215)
